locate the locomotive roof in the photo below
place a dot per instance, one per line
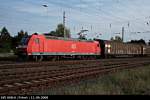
(68, 39)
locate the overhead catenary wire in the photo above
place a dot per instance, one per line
(98, 10)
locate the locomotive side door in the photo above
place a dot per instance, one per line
(39, 45)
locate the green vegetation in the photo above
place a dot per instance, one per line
(117, 38)
(127, 82)
(16, 39)
(5, 40)
(60, 31)
(9, 43)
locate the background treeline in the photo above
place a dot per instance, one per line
(9, 43)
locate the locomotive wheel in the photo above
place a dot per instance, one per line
(38, 58)
(93, 57)
(56, 58)
(83, 58)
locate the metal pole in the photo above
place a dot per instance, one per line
(122, 34)
(64, 24)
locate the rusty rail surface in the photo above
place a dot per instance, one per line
(10, 64)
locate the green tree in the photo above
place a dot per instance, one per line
(5, 40)
(112, 39)
(60, 31)
(141, 41)
(52, 33)
(82, 37)
(5, 35)
(118, 39)
(16, 39)
(21, 34)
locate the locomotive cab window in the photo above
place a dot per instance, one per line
(37, 40)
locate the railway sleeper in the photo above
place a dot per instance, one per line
(82, 75)
(44, 76)
(32, 72)
(39, 77)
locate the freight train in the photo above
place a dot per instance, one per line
(111, 49)
(39, 47)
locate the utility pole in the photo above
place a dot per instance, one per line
(122, 34)
(64, 21)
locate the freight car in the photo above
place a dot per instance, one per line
(146, 50)
(44, 46)
(119, 49)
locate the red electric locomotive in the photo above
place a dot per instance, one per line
(43, 46)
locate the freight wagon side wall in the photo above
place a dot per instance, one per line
(118, 48)
(147, 50)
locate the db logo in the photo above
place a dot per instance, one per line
(73, 46)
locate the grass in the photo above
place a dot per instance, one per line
(7, 57)
(127, 82)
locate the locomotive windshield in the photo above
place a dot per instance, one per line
(25, 40)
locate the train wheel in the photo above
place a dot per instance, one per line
(54, 58)
(93, 57)
(41, 58)
(38, 58)
(84, 58)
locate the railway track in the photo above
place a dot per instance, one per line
(25, 80)
(12, 65)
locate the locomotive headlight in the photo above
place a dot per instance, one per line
(106, 46)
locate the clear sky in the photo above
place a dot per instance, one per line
(105, 17)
